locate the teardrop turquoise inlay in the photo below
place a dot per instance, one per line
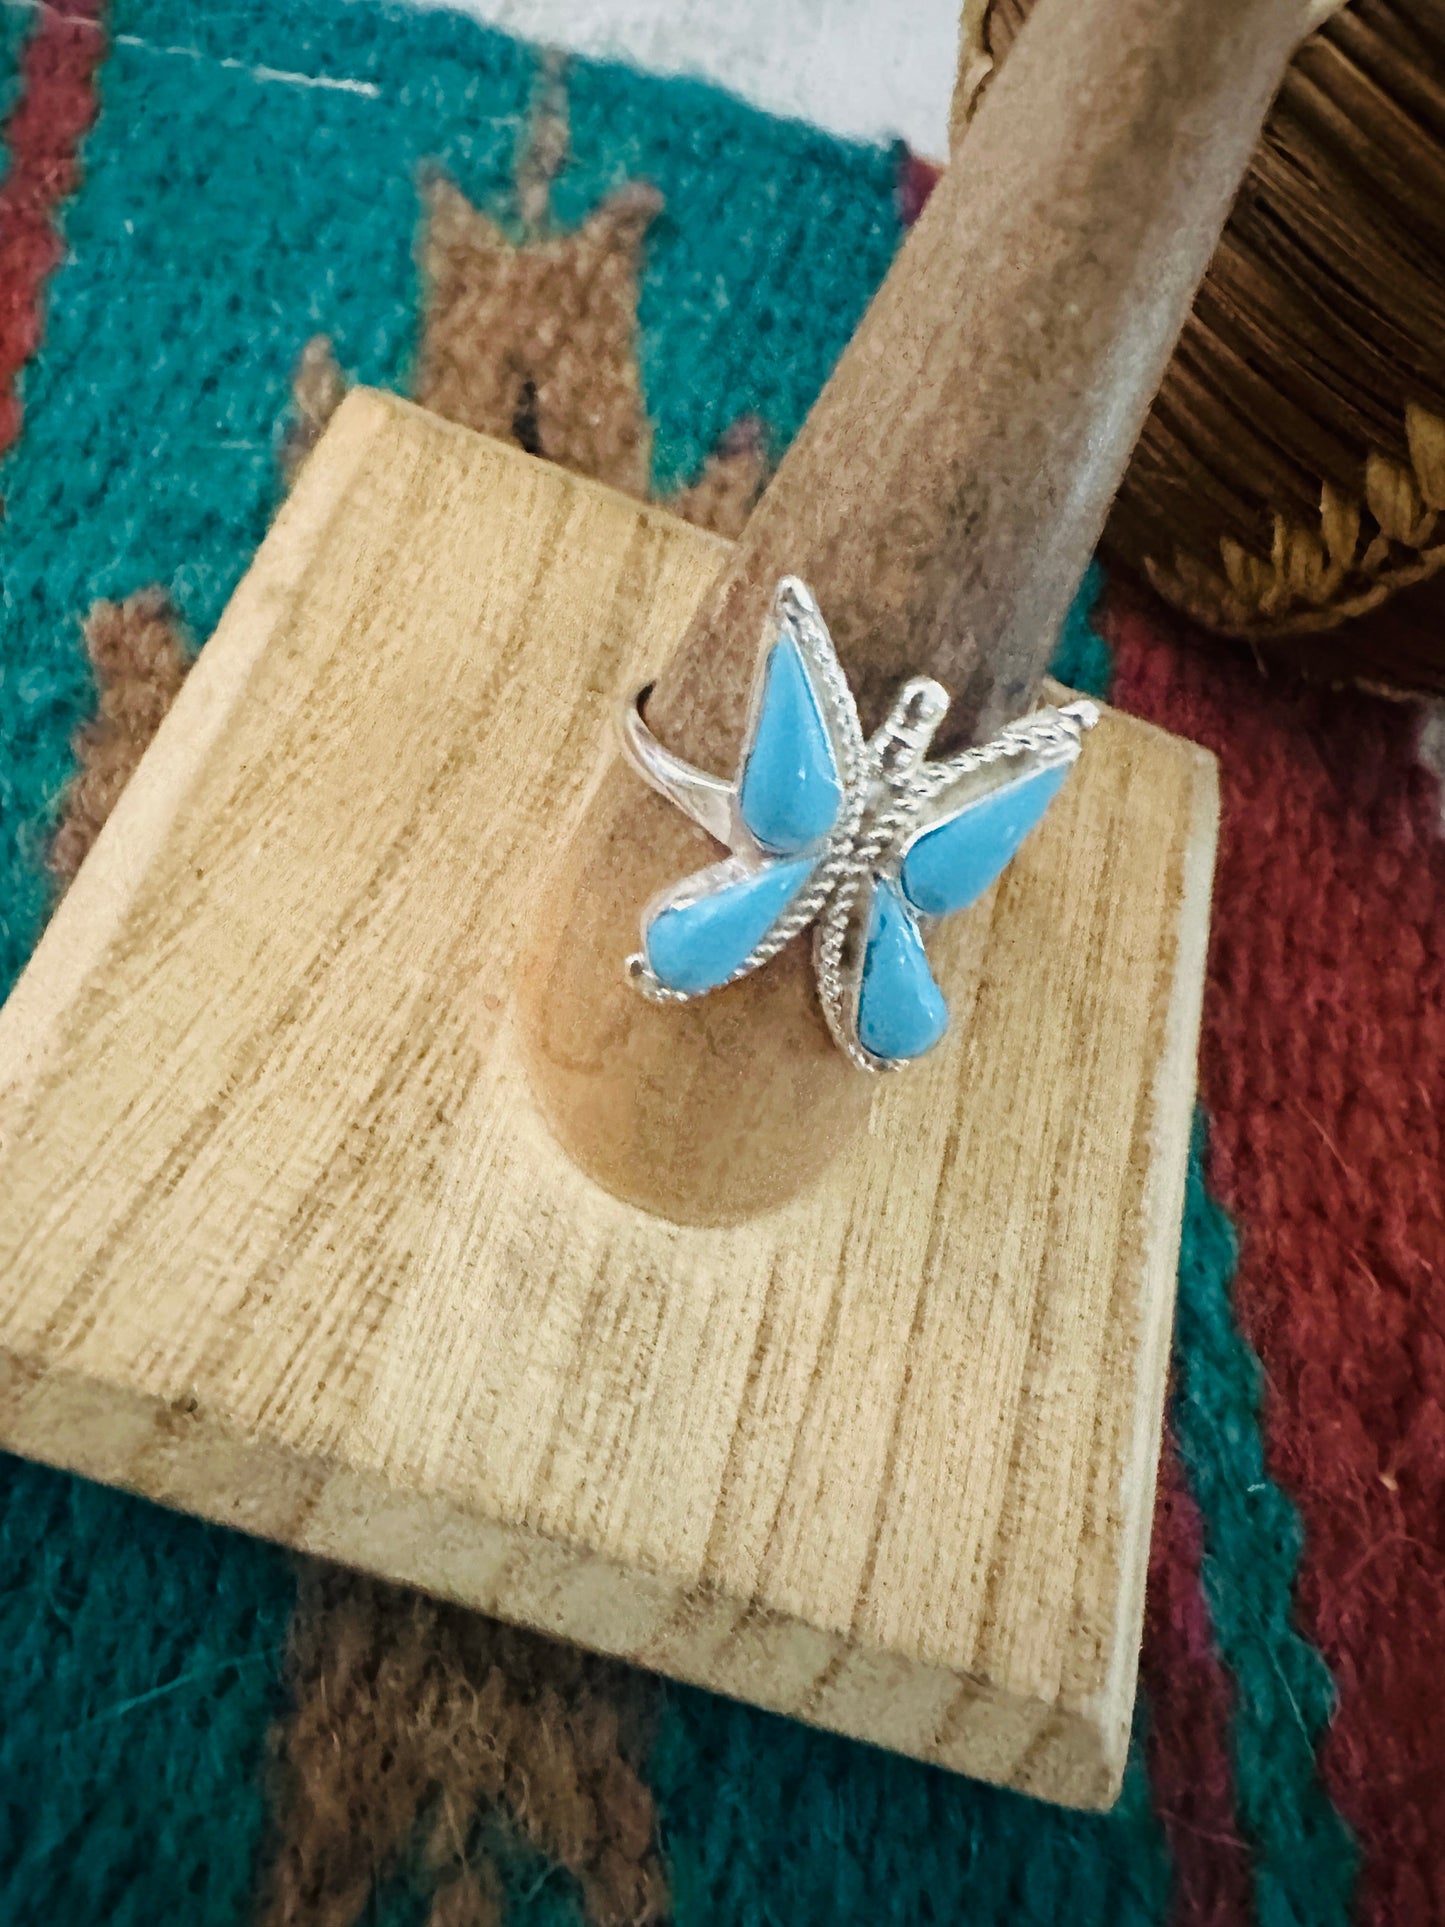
(951, 866)
(791, 793)
(696, 946)
(901, 1012)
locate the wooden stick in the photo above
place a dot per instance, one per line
(976, 65)
(942, 501)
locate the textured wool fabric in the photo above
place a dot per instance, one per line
(410, 1719)
(47, 62)
(142, 1660)
(1324, 1069)
(650, 282)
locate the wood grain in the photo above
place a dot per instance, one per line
(285, 1241)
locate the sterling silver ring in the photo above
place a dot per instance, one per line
(865, 840)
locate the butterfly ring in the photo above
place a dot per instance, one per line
(865, 840)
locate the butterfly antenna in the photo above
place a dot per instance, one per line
(902, 743)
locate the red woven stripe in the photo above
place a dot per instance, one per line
(56, 104)
(1323, 1069)
(1189, 1696)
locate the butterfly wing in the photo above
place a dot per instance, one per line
(797, 785)
(698, 935)
(803, 743)
(878, 990)
(960, 851)
(901, 1013)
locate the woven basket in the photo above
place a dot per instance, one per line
(1289, 488)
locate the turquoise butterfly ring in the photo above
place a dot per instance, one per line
(866, 841)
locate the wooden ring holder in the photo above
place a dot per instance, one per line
(285, 1236)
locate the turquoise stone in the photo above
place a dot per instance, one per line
(791, 793)
(901, 1012)
(951, 866)
(697, 946)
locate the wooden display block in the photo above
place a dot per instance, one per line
(284, 1242)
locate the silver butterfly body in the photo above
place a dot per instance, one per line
(865, 840)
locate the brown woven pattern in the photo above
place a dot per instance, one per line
(1289, 487)
(414, 1723)
(536, 342)
(140, 659)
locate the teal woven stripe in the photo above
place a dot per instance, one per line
(142, 1661)
(16, 23)
(1305, 1857)
(768, 1824)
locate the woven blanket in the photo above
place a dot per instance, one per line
(212, 220)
